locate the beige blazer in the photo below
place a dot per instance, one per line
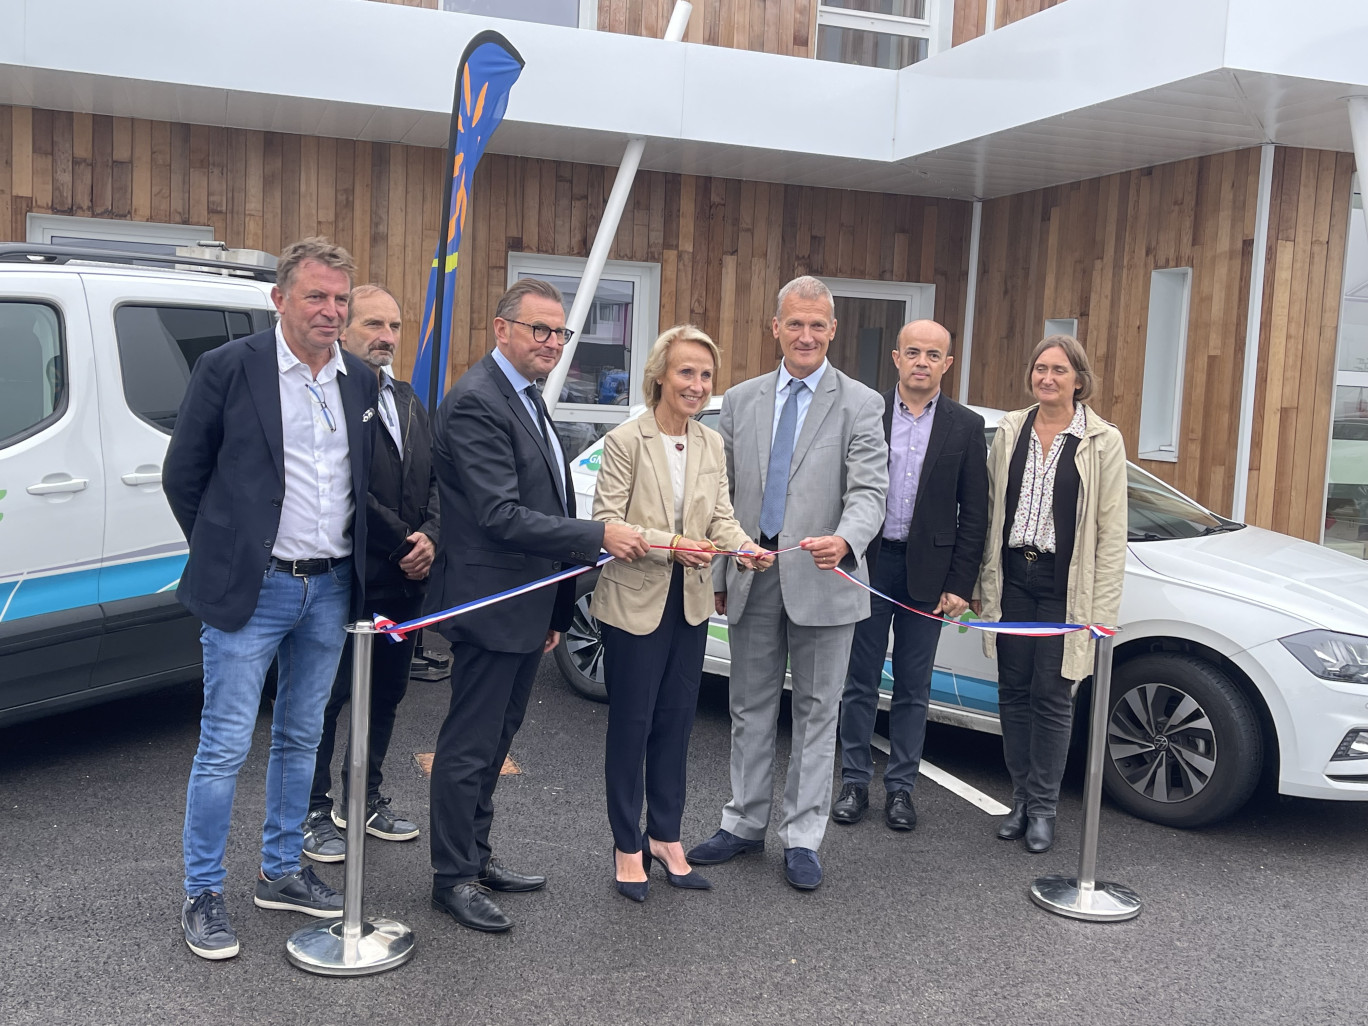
(634, 488)
(1098, 566)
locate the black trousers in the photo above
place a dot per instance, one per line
(390, 665)
(489, 692)
(652, 682)
(1035, 702)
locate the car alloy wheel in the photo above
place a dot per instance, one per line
(580, 652)
(1162, 742)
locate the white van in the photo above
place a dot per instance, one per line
(1240, 649)
(95, 353)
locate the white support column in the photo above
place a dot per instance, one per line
(966, 348)
(1253, 320)
(1358, 129)
(990, 17)
(608, 225)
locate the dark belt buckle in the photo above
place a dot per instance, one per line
(1031, 554)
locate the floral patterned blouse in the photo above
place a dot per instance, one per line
(1034, 521)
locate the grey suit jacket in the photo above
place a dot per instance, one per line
(838, 483)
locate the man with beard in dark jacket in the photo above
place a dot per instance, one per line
(402, 524)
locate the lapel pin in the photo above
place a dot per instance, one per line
(368, 415)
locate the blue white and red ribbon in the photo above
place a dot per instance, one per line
(398, 631)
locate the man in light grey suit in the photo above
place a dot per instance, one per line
(808, 464)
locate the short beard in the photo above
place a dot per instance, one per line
(378, 358)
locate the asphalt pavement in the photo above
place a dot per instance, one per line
(1258, 920)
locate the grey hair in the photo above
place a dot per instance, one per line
(659, 359)
(1078, 359)
(361, 292)
(510, 303)
(806, 287)
(315, 248)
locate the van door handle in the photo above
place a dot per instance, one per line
(142, 477)
(54, 483)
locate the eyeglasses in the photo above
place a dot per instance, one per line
(322, 405)
(543, 332)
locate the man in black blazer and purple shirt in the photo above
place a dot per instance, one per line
(508, 518)
(927, 557)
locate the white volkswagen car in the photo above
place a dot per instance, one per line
(1239, 649)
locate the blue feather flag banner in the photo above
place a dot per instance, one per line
(484, 78)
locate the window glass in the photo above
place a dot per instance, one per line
(1346, 491)
(600, 373)
(869, 49)
(866, 335)
(158, 347)
(32, 371)
(547, 12)
(897, 8)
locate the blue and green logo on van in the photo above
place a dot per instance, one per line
(592, 461)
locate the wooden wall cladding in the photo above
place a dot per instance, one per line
(771, 26)
(724, 246)
(1299, 329)
(1086, 250)
(972, 15)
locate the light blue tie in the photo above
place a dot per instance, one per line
(781, 456)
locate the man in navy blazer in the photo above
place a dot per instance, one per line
(508, 518)
(926, 556)
(265, 472)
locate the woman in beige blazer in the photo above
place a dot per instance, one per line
(1056, 552)
(665, 475)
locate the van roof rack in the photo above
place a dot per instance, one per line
(45, 253)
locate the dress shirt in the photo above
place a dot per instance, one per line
(804, 398)
(906, 454)
(389, 410)
(520, 384)
(1034, 521)
(316, 513)
(677, 455)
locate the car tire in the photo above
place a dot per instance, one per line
(1184, 746)
(580, 652)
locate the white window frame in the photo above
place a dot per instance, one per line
(1161, 391)
(935, 28)
(43, 227)
(645, 279)
(588, 14)
(919, 300)
(1061, 326)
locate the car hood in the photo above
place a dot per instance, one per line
(1325, 588)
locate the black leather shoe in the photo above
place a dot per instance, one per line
(898, 811)
(470, 906)
(497, 877)
(1014, 826)
(850, 804)
(1039, 833)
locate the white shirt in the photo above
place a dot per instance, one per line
(1034, 521)
(677, 454)
(389, 410)
(804, 398)
(520, 384)
(316, 514)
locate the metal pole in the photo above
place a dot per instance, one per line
(607, 229)
(353, 946)
(966, 352)
(1253, 327)
(1083, 897)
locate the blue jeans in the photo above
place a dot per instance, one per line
(302, 620)
(914, 653)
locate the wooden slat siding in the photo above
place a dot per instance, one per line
(1308, 219)
(772, 26)
(197, 180)
(971, 16)
(6, 168)
(60, 151)
(42, 159)
(160, 208)
(82, 172)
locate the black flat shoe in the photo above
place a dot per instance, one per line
(470, 906)
(1014, 826)
(1039, 833)
(690, 881)
(498, 877)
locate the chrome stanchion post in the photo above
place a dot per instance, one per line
(353, 946)
(1083, 897)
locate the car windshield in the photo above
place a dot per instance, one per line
(1158, 512)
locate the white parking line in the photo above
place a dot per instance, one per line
(952, 783)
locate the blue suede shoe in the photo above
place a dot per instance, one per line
(721, 847)
(801, 868)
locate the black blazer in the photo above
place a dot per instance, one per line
(402, 499)
(224, 474)
(502, 520)
(950, 517)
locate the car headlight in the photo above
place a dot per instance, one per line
(1331, 656)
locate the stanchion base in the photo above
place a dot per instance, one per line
(1102, 902)
(384, 944)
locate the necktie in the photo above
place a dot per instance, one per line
(535, 395)
(781, 457)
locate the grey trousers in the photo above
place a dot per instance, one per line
(762, 640)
